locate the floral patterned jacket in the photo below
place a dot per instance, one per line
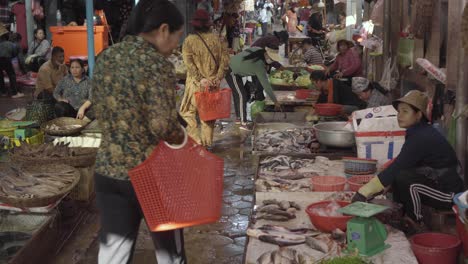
(133, 88)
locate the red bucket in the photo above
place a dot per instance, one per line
(435, 248)
(328, 223)
(462, 232)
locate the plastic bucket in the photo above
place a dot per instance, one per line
(328, 223)
(435, 248)
(462, 232)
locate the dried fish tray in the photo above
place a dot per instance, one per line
(67, 126)
(261, 128)
(27, 200)
(276, 117)
(83, 157)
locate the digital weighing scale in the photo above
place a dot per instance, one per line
(364, 233)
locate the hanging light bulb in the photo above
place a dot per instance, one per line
(321, 4)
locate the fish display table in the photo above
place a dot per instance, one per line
(288, 98)
(399, 252)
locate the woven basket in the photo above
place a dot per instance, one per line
(65, 121)
(84, 157)
(40, 201)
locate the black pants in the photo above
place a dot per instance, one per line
(7, 66)
(121, 216)
(258, 93)
(239, 94)
(36, 63)
(412, 189)
(63, 109)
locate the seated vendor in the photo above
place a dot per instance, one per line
(50, 74)
(425, 171)
(371, 92)
(348, 62)
(73, 93)
(336, 92)
(312, 55)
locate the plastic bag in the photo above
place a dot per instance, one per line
(179, 186)
(213, 105)
(257, 107)
(390, 76)
(405, 52)
(377, 14)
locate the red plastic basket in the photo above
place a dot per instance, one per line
(328, 109)
(435, 248)
(356, 182)
(328, 223)
(179, 186)
(328, 183)
(214, 105)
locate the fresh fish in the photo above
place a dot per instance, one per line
(284, 205)
(290, 140)
(295, 205)
(272, 229)
(265, 258)
(316, 244)
(270, 201)
(279, 218)
(339, 235)
(269, 207)
(282, 241)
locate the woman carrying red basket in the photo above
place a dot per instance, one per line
(136, 110)
(206, 59)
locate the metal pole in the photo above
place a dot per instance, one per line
(29, 21)
(386, 30)
(90, 33)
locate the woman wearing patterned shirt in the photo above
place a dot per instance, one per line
(207, 60)
(134, 84)
(73, 93)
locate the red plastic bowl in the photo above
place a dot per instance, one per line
(328, 109)
(328, 223)
(328, 183)
(435, 248)
(356, 182)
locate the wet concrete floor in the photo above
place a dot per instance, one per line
(220, 242)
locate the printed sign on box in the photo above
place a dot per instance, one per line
(378, 135)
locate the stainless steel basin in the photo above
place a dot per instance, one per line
(334, 134)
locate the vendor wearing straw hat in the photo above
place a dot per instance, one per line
(250, 62)
(206, 59)
(371, 92)
(425, 171)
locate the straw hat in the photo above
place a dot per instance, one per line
(359, 84)
(415, 98)
(273, 54)
(201, 18)
(3, 30)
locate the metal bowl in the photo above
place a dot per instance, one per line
(334, 134)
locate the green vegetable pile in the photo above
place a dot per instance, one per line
(345, 260)
(286, 77)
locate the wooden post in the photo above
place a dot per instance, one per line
(433, 49)
(395, 20)
(455, 10)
